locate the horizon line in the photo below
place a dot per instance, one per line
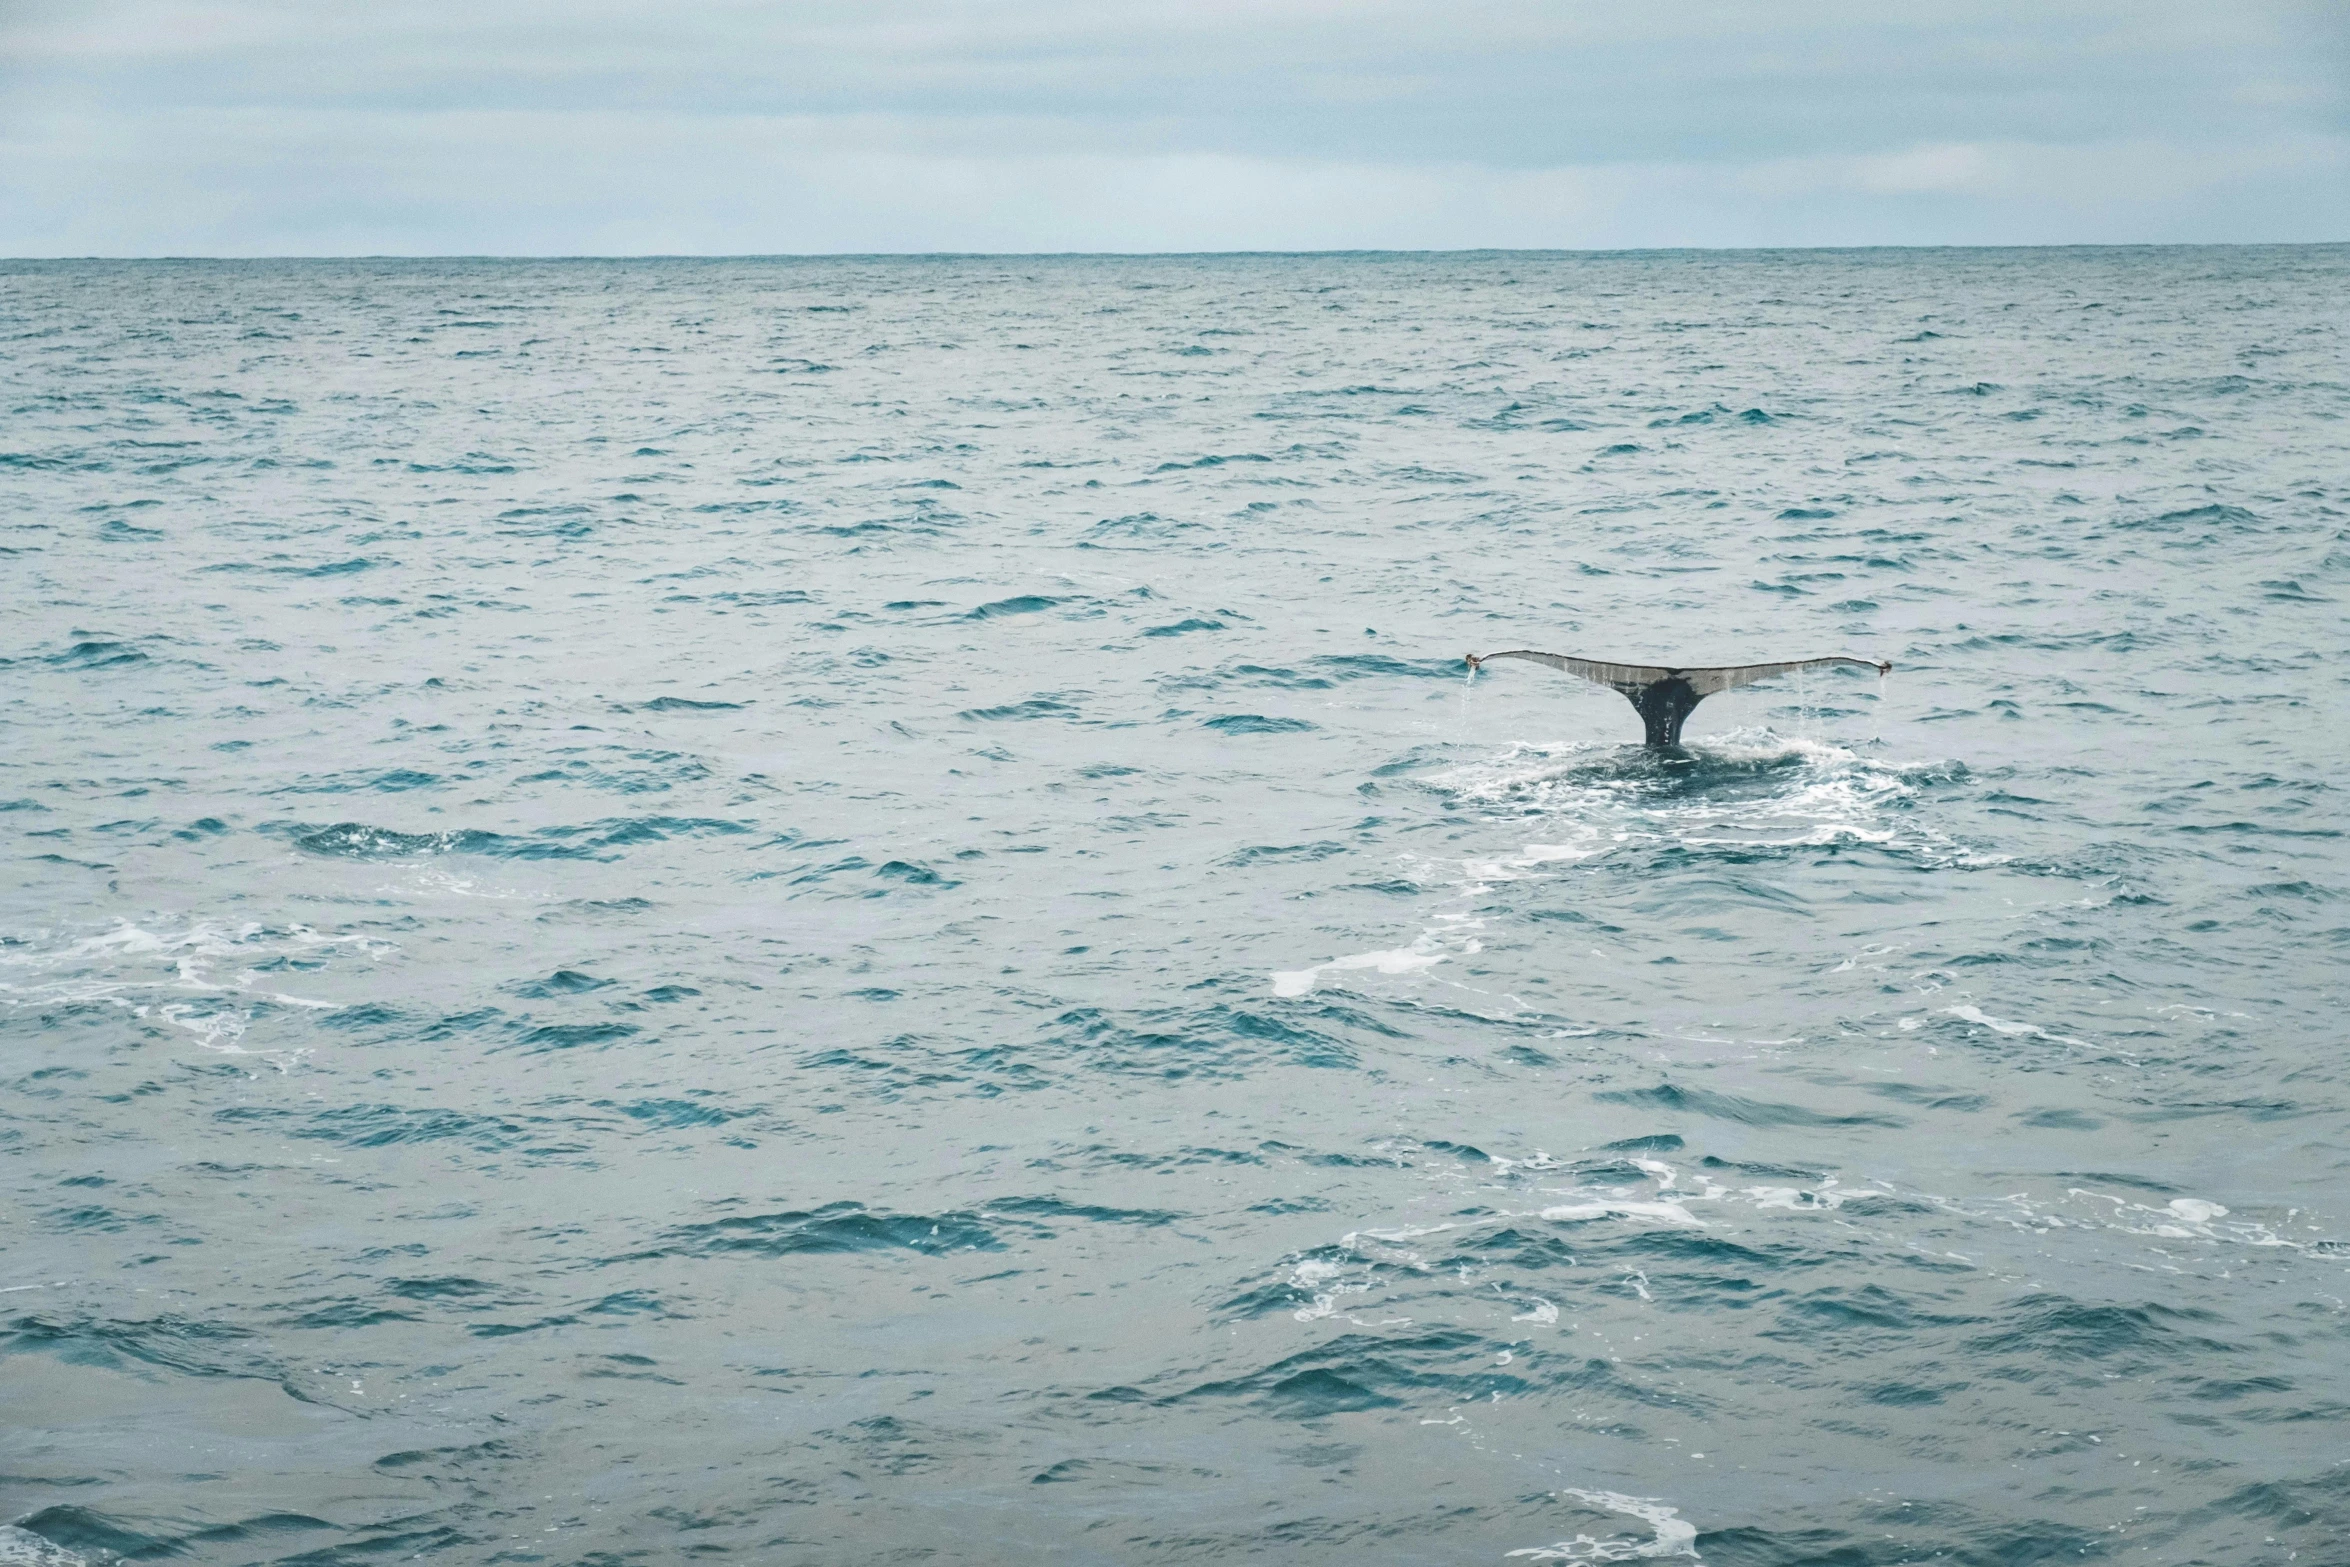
(1176, 255)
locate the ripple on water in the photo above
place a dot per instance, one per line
(643, 960)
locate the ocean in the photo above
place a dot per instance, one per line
(861, 910)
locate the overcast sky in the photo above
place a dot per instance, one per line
(304, 127)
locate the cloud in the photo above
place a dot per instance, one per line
(271, 126)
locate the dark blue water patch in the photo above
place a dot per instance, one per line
(1707, 893)
(840, 1227)
(452, 1460)
(1108, 1156)
(921, 524)
(270, 1533)
(1397, 887)
(1249, 675)
(917, 1066)
(815, 876)
(661, 772)
(163, 1343)
(1211, 462)
(574, 1036)
(674, 1114)
(561, 522)
(1747, 1167)
(764, 598)
(473, 463)
(387, 1126)
(1868, 1317)
(92, 652)
(628, 1303)
(912, 874)
(2131, 1182)
(1034, 707)
(399, 780)
(597, 909)
(1044, 1211)
(2290, 591)
(1255, 724)
(2135, 1338)
(94, 1537)
(2215, 518)
(1181, 627)
(442, 1287)
(1357, 1372)
(1294, 852)
(338, 568)
(680, 704)
(1216, 1041)
(563, 982)
(346, 1314)
(1146, 525)
(1699, 416)
(1024, 604)
(1731, 1107)
(513, 1329)
(1382, 666)
(1520, 1246)
(590, 841)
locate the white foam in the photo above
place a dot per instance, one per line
(1796, 1199)
(1675, 1536)
(1832, 795)
(1684, 1199)
(431, 880)
(23, 1548)
(1417, 958)
(120, 968)
(1591, 812)
(1452, 930)
(1972, 1014)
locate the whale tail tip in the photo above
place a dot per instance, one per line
(1664, 697)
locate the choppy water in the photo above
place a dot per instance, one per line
(856, 911)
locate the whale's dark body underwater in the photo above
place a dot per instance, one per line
(1663, 697)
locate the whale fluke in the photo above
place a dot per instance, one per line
(1663, 697)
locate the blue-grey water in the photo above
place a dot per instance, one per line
(857, 911)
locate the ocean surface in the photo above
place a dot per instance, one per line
(858, 911)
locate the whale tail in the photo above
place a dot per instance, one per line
(1664, 698)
